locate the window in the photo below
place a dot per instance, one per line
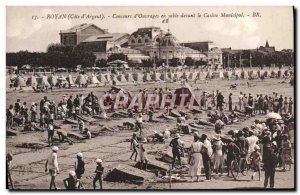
(158, 40)
(132, 41)
(170, 51)
(139, 41)
(146, 40)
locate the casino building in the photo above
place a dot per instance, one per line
(145, 43)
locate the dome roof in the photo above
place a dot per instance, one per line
(169, 40)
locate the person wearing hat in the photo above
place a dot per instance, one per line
(255, 159)
(87, 133)
(232, 151)
(243, 144)
(270, 163)
(52, 166)
(230, 102)
(33, 112)
(206, 154)
(286, 152)
(9, 158)
(252, 141)
(278, 139)
(195, 159)
(217, 156)
(79, 166)
(142, 154)
(134, 146)
(266, 142)
(50, 132)
(177, 149)
(81, 125)
(99, 173)
(71, 183)
(139, 123)
(219, 124)
(291, 103)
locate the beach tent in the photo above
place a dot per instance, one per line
(108, 78)
(186, 89)
(253, 74)
(155, 76)
(52, 79)
(244, 74)
(163, 76)
(121, 78)
(208, 75)
(81, 80)
(227, 74)
(101, 78)
(273, 74)
(114, 79)
(19, 82)
(175, 77)
(185, 75)
(31, 81)
(266, 73)
(146, 77)
(138, 77)
(92, 79)
(43, 81)
(129, 77)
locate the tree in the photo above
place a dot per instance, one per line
(57, 47)
(189, 61)
(116, 56)
(174, 62)
(200, 63)
(101, 63)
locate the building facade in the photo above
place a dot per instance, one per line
(75, 35)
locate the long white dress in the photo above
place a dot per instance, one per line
(196, 159)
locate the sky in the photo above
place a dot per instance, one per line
(274, 25)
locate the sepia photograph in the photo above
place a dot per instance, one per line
(147, 98)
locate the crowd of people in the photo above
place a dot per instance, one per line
(265, 144)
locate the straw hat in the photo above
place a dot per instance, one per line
(72, 173)
(177, 135)
(55, 148)
(79, 154)
(217, 137)
(256, 147)
(98, 160)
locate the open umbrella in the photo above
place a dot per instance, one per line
(273, 115)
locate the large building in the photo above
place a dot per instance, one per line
(75, 35)
(209, 49)
(161, 45)
(146, 43)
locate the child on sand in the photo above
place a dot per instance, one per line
(255, 159)
(99, 172)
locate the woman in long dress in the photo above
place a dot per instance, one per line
(196, 158)
(217, 156)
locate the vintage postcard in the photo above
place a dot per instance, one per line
(150, 98)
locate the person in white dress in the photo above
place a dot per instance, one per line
(252, 141)
(195, 158)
